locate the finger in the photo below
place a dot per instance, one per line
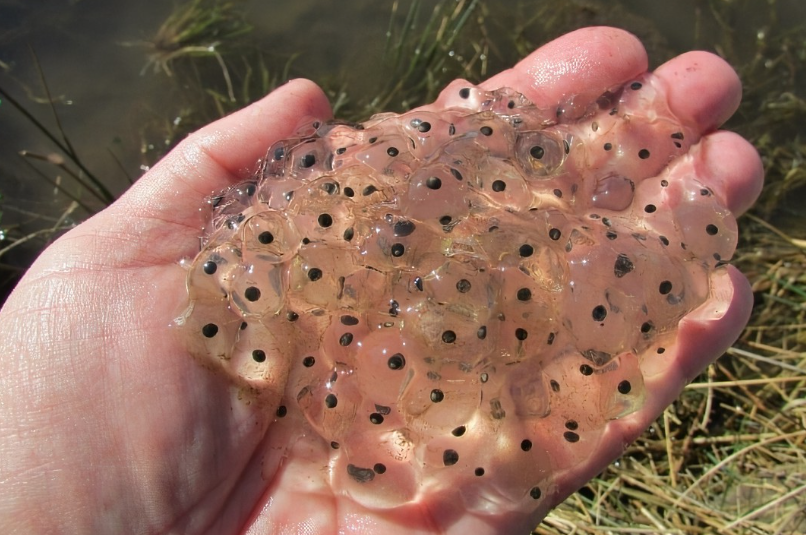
(703, 336)
(731, 167)
(702, 89)
(727, 165)
(583, 64)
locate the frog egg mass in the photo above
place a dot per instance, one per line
(432, 298)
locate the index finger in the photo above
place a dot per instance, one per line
(584, 63)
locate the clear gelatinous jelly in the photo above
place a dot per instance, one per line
(436, 296)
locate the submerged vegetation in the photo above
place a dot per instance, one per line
(730, 455)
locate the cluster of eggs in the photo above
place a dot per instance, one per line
(443, 296)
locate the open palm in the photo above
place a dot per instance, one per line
(107, 425)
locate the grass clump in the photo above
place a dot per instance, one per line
(198, 28)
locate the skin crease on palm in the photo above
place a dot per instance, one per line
(107, 425)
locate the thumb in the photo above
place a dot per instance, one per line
(162, 207)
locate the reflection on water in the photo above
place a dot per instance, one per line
(119, 117)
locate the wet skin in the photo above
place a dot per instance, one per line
(106, 424)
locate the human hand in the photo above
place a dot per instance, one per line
(108, 425)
